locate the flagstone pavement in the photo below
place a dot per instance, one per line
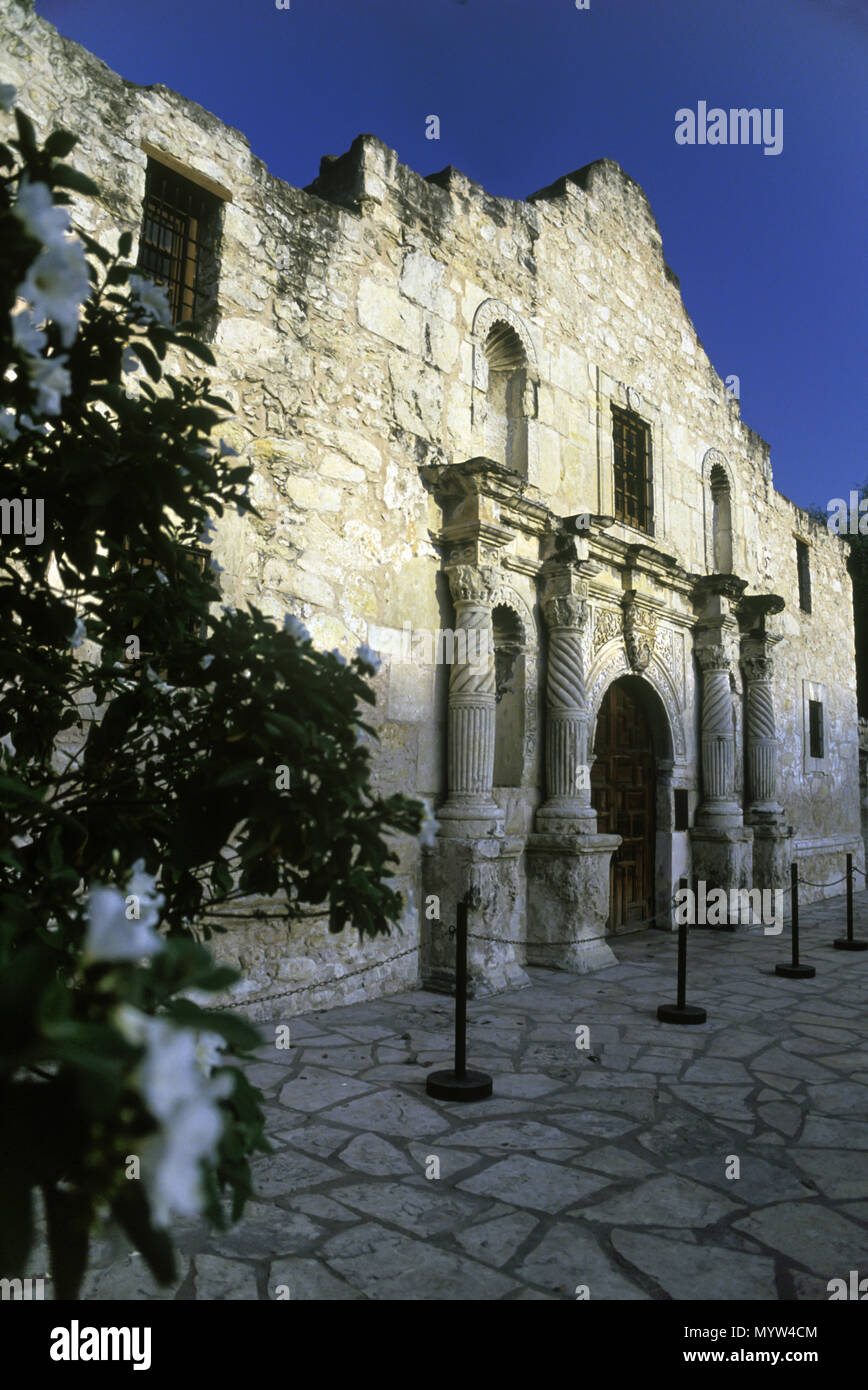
(610, 1166)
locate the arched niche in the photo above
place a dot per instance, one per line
(719, 500)
(505, 388)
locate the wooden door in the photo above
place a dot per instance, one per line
(622, 794)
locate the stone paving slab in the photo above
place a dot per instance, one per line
(611, 1167)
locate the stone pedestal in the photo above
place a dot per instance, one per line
(772, 855)
(723, 858)
(568, 901)
(490, 866)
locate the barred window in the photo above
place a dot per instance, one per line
(815, 729)
(178, 245)
(632, 451)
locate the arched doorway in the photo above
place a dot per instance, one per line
(623, 794)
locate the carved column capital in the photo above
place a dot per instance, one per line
(566, 611)
(474, 584)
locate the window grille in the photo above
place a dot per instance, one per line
(632, 452)
(178, 233)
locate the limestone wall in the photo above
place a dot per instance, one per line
(348, 337)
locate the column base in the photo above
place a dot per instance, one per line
(568, 901)
(470, 819)
(566, 816)
(723, 858)
(495, 925)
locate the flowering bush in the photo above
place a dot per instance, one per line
(143, 734)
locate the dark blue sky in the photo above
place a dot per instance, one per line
(770, 248)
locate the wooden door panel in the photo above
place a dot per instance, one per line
(622, 794)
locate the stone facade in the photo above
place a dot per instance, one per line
(424, 377)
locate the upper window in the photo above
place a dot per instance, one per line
(815, 729)
(803, 562)
(178, 245)
(632, 450)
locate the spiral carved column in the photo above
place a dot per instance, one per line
(470, 757)
(761, 737)
(568, 807)
(719, 806)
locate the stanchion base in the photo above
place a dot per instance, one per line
(445, 1085)
(795, 972)
(688, 1013)
(843, 943)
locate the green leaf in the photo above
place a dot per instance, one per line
(59, 143)
(66, 177)
(69, 1217)
(147, 359)
(131, 1212)
(16, 1221)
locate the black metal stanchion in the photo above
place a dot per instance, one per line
(460, 1084)
(681, 1012)
(794, 971)
(849, 942)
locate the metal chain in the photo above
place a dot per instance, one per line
(471, 936)
(317, 984)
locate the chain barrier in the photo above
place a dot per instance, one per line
(260, 915)
(316, 984)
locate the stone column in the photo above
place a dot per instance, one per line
(718, 809)
(760, 736)
(470, 809)
(568, 807)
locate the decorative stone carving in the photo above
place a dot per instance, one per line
(606, 627)
(760, 734)
(470, 808)
(640, 633)
(568, 805)
(719, 809)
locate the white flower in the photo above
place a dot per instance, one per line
(78, 634)
(429, 827)
(162, 578)
(370, 658)
(172, 1161)
(157, 682)
(26, 423)
(208, 1049)
(42, 218)
(295, 628)
(51, 380)
(25, 334)
(143, 886)
(7, 96)
(152, 298)
(8, 432)
(56, 285)
(174, 1081)
(111, 935)
(206, 660)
